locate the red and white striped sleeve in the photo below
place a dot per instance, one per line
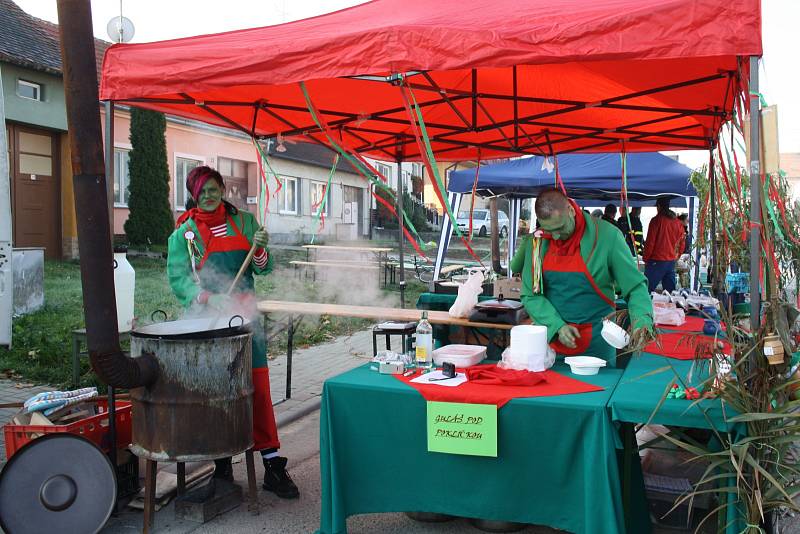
(260, 258)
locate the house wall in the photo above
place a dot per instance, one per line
(291, 227)
(208, 145)
(790, 164)
(51, 112)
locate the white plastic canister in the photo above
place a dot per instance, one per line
(124, 285)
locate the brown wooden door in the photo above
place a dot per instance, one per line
(36, 189)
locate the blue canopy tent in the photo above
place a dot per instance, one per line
(590, 179)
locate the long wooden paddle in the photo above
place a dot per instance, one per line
(242, 269)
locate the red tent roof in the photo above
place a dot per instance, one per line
(506, 77)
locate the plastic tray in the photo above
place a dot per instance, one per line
(461, 355)
(94, 428)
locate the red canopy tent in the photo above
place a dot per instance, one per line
(505, 77)
(493, 80)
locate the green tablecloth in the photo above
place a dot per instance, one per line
(556, 464)
(643, 384)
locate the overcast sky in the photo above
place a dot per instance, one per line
(156, 20)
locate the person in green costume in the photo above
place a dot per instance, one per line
(211, 241)
(571, 269)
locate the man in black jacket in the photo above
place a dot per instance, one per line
(634, 233)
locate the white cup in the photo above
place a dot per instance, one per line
(615, 335)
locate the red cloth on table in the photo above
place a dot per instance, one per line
(680, 346)
(692, 324)
(550, 384)
(496, 376)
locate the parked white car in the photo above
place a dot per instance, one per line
(481, 222)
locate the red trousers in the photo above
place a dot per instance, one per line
(265, 431)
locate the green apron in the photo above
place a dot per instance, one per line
(572, 291)
(221, 261)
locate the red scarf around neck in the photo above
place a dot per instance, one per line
(571, 245)
(204, 220)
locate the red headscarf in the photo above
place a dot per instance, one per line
(571, 245)
(198, 177)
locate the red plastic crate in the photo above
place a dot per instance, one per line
(94, 428)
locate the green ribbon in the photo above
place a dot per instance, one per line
(760, 98)
(324, 201)
(429, 151)
(365, 171)
(624, 160)
(771, 210)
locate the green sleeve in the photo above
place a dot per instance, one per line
(544, 313)
(179, 269)
(518, 261)
(540, 310)
(631, 283)
(249, 227)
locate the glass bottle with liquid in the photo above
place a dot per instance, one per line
(424, 339)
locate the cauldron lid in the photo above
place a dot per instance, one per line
(59, 482)
(197, 328)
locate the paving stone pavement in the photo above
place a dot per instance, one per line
(310, 368)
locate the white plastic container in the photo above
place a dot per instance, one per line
(615, 335)
(584, 365)
(124, 285)
(461, 355)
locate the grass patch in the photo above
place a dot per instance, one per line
(42, 341)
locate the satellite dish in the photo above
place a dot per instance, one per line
(120, 29)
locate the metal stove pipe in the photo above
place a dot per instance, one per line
(91, 202)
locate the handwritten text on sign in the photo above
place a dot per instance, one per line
(459, 428)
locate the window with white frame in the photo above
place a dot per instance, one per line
(29, 90)
(416, 169)
(121, 176)
(318, 189)
(386, 171)
(183, 166)
(287, 196)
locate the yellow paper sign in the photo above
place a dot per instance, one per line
(460, 428)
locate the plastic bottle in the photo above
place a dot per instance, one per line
(424, 339)
(124, 285)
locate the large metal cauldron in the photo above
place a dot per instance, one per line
(201, 405)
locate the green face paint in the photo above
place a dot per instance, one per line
(561, 226)
(210, 196)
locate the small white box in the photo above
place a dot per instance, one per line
(460, 355)
(391, 368)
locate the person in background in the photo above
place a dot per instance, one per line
(210, 242)
(609, 215)
(634, 235)
(687, 247)
(597, 213)
(664, 244)
(569, 286)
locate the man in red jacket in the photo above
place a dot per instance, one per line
(665, 242)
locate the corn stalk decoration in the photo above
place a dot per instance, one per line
(752, 466)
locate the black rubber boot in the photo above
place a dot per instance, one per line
(277, 480)
(223, 469)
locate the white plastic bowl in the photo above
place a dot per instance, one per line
(615, 335)
(460, 355)
(584, 365)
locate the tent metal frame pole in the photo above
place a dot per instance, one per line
(755, 199)
(454, 199)
(694, 206)
(109, 163)
(712, 184)
(400, 225)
